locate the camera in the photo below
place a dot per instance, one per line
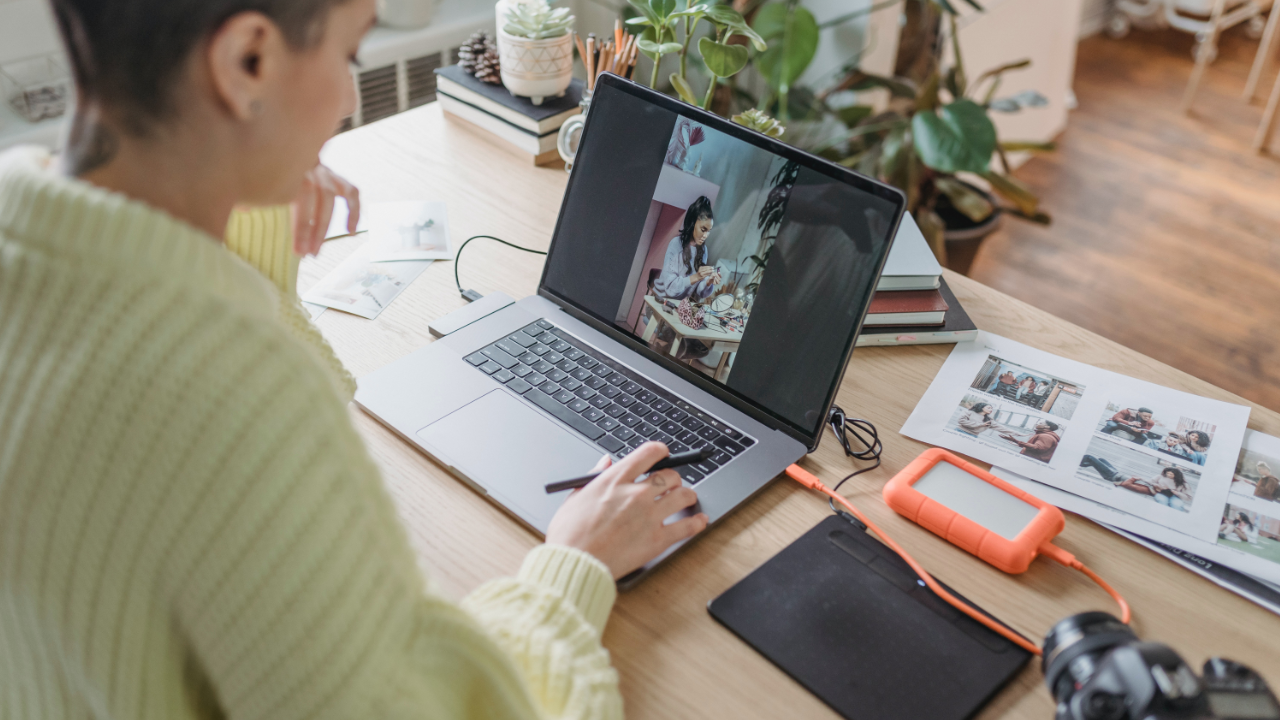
(1098, 669)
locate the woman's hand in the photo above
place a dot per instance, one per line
(313, 208)
(619, 521)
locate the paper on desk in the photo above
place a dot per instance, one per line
(1261, 561)
(410, 231)
(363, 287)
(1082, 448)
(338, 222)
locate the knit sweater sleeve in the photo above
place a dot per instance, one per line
(301, 597)
(263, 237)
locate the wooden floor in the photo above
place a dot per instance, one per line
(1166, 234)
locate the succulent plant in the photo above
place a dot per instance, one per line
(537, 20)
(759, 122)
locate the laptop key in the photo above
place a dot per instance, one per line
(539, 349)
(490, 367)
(729, 446)
(611, 443)
(617, 379)
(545, 325)
(625, 401)
(720, 458)
(624, 434)
(606, 423)
(614, 411)
(522, 370)
(654, 418)
(553, 357)
(676, 414)
(585, 393)
(732, 434)
(635, 442)
(588, 362)
(557, 375)
(706, 467)
(602, 370)
(747, 442)
(477, 358)
(708, 433)
(581, 373)
(670, 428)
(645, 396)
(535, 378)
(600, 401)
(647, 430)
(533, 330)
(629, 420)
(577, 405)
(504, 376)
(641, 409)
(560, 346)
(519, 386)
(574, 354)
(610, 391)
(542, 366)
(522, 340)
(499, 356)
(660, 405)
(527, 358)
(692, 423)
(594, 415)
(690, 473)
(675, 446)
(595, 383)
(687, 437)
(631, 388)
(564, 396)
(570, 384)
(513, 348)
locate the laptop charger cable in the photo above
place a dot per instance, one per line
(472, 295)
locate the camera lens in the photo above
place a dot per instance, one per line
(1073, 647)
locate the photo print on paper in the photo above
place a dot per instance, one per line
(1184, 438)
(1007, 425)
(1256, 476)
(1250, 531)
(1033, 389)
(1163, 480)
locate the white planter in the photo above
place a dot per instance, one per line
(407, 14)
(536, 69)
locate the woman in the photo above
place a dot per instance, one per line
(190, 526)
(1025, 388)
(687, 274)
(977, 419)
(1169, 488)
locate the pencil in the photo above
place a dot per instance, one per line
(591, 61)
(606, 54)
(617, 32)
(582, 50)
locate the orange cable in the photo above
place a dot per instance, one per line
(809, 480)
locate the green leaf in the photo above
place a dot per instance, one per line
(854, 114)
(1011, 189)
(726, 16)
(683, 89)
(964, 198)
(638, 21)
(721, 59)
(960, 138)
(652, 48)
(663, 8)
(646, 11)
(791, 46)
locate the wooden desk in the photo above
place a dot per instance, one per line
(675, 661)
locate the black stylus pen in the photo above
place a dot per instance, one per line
(670, 461)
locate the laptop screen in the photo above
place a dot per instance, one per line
(737, 261)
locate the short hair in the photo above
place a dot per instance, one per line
(1145, 410)
(1053, 427)
(127, 54)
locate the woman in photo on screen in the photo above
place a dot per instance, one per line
(687, 273)
(191, 525)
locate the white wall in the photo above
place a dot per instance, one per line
(26, 29)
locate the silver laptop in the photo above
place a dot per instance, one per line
(704, 287)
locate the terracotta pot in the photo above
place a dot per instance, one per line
(964, 236)
(536, 69)
(407, 14)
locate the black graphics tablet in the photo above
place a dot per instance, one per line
(847, 618)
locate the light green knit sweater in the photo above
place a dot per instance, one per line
(189, 525)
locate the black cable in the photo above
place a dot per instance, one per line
(458, 257)
(864, 433)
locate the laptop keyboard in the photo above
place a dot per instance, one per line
(607, 403)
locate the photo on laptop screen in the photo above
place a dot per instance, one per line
(705, 246)
(743, 265)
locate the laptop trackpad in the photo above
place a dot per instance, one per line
(512, 451)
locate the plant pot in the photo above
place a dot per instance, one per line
(406, 14)
(964, 236)
(536, 69)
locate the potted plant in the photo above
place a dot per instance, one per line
(936, 127)
(535, 49)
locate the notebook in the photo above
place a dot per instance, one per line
(846, 618)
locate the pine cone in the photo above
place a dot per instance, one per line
(472, 50)
(488, 69)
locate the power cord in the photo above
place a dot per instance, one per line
(472, 295)
(860, 431)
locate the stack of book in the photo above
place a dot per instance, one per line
(530, 129)
(912, 304)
